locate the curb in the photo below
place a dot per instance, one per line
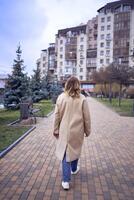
(14, 122)
(49, 114)
(4, 152)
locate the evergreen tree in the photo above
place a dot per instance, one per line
(35, 86)
(51, 88)
(17, 86)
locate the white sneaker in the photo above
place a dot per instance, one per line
(78, 168)
(65, 185)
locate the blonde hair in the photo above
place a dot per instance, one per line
(72, 87)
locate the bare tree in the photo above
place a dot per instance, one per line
(120, 74)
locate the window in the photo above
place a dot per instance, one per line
(102, 19)
(67, 62)
(102, 36)
(61, 64)
(61, 41)
(43, 65)
(117, 9)
(108, 36)
(66, 69)
(107, 61)
(81, 69)
(108, 10)
(81, 47)
(107, 52)
(101, 53)
(61, 56)
(107, 44)
(81, 62)
(102, 44)
(44, 58)
(82, 39)
(61, 48)
(102, 28)
(81, 55)
(127, 8)
(109, 19)
(90, 30)
(108, 27)
(101, 61)
(90, 38)
(44, 71)
(81, 77)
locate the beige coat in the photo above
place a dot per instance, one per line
(72, 120)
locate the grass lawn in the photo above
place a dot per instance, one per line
(45, 107)
(125, 109)
(8, 134)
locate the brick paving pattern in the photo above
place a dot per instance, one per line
(31, 171)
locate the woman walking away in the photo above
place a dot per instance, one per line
(72, 122)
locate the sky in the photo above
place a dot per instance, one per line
(34, 23)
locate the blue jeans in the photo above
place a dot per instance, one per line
(67, 167)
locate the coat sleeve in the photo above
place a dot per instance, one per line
(86, 118)
(56, 118)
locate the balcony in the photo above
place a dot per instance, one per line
(108, 38)
(91, 65)
(95, 33)
(70, 56)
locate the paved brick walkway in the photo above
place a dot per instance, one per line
(31, 170)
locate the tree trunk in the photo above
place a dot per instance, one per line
(120, 94)
(24, 111)
(101, 91)
(105, 89)
(110, 92)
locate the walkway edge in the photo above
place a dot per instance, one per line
(4, 152)
(49, 114)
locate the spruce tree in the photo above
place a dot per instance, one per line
(35, 86)
(17, 87)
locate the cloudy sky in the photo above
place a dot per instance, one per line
(34, 24)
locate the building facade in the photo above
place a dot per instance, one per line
(131, 46)
(106, 38)
(3, 79)
(52, 63)
(71, 52)
(47, 62)
(92, 34)
(115, 33)
(42, 63)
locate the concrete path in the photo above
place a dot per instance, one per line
(31, 170)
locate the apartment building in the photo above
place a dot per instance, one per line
(47, 62)
(42, 63)
(131, 46)
(92, 33)
(71, 46)
(115, 33)
(105, 37)
(52, 63)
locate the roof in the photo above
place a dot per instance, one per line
(115, 4)
(44, 50)
(72, 29)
